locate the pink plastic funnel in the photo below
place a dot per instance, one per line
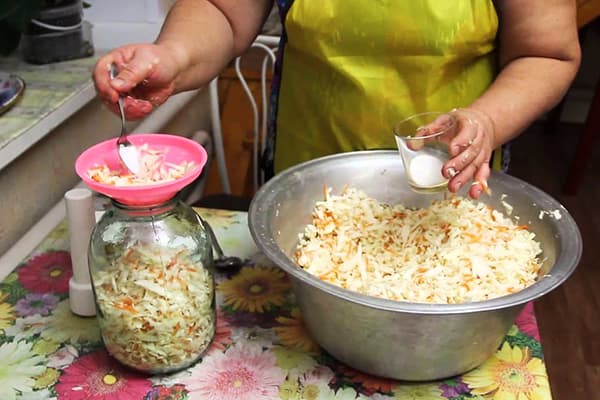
(179, 150)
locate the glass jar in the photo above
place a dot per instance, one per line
(153, 281)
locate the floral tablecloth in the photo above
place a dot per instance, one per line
(261, 349)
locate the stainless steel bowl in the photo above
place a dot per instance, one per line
(402, 340)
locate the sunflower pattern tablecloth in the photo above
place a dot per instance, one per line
(261, 350)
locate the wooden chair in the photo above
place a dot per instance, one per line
(587, 11)
(591, 129)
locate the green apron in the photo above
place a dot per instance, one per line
(351, 69)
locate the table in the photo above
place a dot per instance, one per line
(261, 349)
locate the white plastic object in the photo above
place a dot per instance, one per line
(259, 137)
(215, 116)
(81, 220)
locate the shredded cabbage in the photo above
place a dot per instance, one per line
(454, 251)
(156, 308)
(153, 169)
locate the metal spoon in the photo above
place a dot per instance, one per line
(222, 261)
(126, 149)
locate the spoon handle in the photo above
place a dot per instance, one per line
(114, 71)
(122, 138)
(213, 238)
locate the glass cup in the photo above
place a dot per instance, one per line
(423, 143)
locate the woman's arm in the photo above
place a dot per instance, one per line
(204, 35)
(197, 40)
(539, 56)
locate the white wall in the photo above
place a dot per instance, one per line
(118, 22)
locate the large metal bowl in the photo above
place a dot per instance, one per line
(403, 340)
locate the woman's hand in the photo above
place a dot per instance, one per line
(196, 41)
(146, 78)
(538, 56)
(470, 151)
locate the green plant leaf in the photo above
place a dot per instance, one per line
(14, 290)
(522, 340)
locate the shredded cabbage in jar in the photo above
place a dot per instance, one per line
(156, 308)
(454, 251)
(153, 169)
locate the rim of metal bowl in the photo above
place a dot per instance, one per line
(565, 264)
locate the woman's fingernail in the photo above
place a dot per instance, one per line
(451, 172)
(118, 82)
(486, 188)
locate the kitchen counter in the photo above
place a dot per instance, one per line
(57, 118)
(53, 93)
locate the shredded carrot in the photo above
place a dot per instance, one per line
(386, 250)
(126, 305)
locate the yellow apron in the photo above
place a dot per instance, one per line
(351, 69)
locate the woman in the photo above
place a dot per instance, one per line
(347, 71)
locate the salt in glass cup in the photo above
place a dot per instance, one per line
(423, 142)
